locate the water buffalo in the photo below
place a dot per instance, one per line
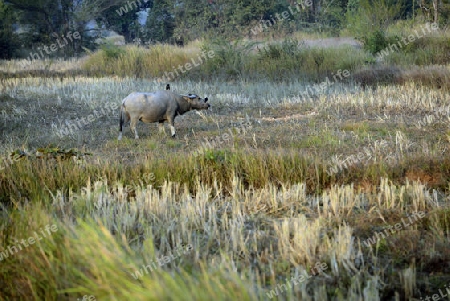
(157, 106)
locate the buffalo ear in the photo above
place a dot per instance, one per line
(187, 98)
(206, 99)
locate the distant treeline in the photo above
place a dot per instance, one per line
(26, 25)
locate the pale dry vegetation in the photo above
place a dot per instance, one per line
(257, 210)
(321, 171)
(243, 240)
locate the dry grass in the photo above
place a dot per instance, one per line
(257, 209)
(138, 61)
(59, 65)
(437, 77)
(260, 236)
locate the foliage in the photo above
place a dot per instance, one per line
(122, 18)
(230, 57)
(368, 21)
(332, 17)
(224, 18)
(43, 20)
(375, 41)
(288, 47)
(180, 22)
(7, 43)
(160, 22)
(112, 51)
(367, 16)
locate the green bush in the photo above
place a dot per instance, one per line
(229, 59)
(279, 61)
(376, 41)
(111, 51)
(288, 48)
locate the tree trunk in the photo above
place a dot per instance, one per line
(435, 9)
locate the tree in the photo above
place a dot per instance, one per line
(122, 18)
(49, 19)
(228, 18)
(331, 16)
(7, 44)
(161, 21)
(366, 16)
(437, 11)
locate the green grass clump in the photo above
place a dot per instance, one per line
(24, 179)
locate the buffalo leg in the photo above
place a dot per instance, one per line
(172, 123)
(133, 128)
(161, 127)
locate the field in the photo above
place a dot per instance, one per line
(280, 191)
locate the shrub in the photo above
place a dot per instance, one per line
(230, 57)
(278, 61)
(111, 51)
(288, 48)
(376, 41)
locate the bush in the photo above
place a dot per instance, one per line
(376, 41)
(279, 61)
(111, 51)
(230, 57)
(287, 48)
